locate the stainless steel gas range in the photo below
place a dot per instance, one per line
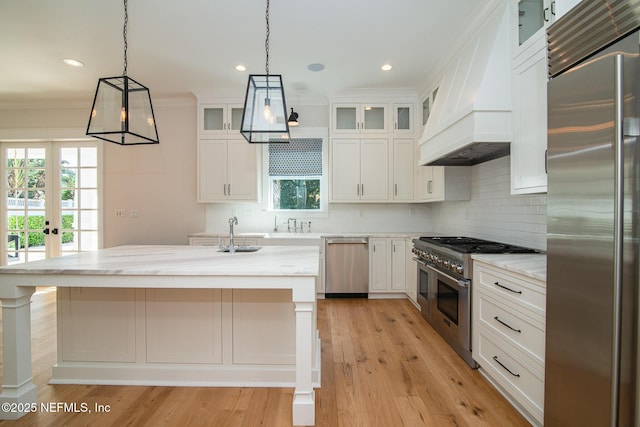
(445, 269)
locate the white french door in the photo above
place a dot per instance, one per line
(53, 199)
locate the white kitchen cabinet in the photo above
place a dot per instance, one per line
(359, 118)
(529, 94)
(411, 273)
(227, 170)
(440, 183)
(529, 144)
(403, 175)
(403, 119)
(387, 266)
(508, 337)
(219, 119)
(359, 169)
(379, 265)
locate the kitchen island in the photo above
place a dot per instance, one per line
(170, 315)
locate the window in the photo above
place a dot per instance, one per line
(295, 175)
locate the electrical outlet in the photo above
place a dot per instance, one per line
(134, 213)
(121, 212)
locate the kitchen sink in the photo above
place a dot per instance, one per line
(240, 248)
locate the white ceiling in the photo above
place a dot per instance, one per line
(176, 46)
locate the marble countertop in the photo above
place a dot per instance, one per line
(530, 265)
(285, 235)
(178, 260)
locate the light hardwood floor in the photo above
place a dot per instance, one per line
(382, 365)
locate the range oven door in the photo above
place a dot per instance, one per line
(424, 288)
(451, 309)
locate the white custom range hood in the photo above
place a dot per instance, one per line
(470, 121)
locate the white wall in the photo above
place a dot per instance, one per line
(157, 180)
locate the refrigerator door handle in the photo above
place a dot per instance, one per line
(618, 237)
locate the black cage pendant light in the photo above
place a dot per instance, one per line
(264, 118)
(122, 110)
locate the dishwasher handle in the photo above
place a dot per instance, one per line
(348, 241)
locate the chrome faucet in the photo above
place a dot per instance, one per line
(232, 245)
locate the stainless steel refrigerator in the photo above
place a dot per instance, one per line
(591, 376)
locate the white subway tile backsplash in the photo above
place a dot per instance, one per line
(493, 213)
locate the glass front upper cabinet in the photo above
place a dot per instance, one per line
(221, 118)
(403, 118)
(530, 18)
(360, 118)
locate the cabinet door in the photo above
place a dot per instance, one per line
(403, 151)
(378, 265)
(346, 118)
(411, 272)
(403, 118)
(345, 169)
(374, 118)
(398, 262)
(242, 170)
(530, 126)
(212, 170)
(432, 182)
(374, 165)
(213, 119)
(531, 19)
(217, 119)
(234, 118)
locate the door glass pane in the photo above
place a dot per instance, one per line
(26, 204)
(403, 118)
(236, 118)
(346, 118)
(374, 117)
(530, 18)
(426, 110)
(89, 157)
(213, 118)
(79, 199)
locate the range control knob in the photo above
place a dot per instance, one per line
(459, 268)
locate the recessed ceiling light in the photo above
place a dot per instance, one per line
(315, 67)
(73, 62)
(386, 67)
(241, 67)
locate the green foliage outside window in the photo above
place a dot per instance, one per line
(35, 224)
(296, 193)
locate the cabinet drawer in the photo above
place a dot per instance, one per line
(518, 376)
(513, 288)
(517, 328)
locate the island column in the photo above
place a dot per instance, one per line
(304, 298)
(19, 392)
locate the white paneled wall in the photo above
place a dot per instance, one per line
(493, 213)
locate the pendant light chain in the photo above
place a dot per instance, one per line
(266, 42)
(124, 36)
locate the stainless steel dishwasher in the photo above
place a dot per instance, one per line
(346, 267)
